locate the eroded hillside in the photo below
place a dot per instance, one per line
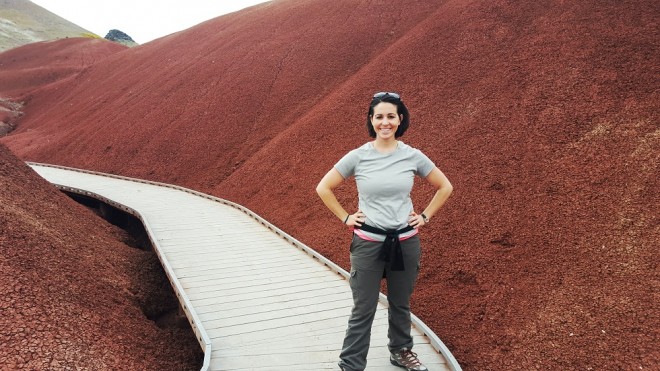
(75, 295)
(543, 115)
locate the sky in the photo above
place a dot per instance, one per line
(142, 20)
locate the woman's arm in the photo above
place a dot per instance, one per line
(324, 189)
(444, 188)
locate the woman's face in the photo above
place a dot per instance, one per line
(385, 120)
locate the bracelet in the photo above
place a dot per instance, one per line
(345, 220)
(426, 219)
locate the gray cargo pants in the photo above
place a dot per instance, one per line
(366, 273)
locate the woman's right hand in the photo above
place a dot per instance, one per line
(356, 219)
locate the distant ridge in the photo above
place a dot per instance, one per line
(120, 37)
(24, 22)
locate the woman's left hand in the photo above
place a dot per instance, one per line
(416, 220)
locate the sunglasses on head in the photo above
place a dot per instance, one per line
(384, 93)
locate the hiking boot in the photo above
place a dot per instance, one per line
(407, 359)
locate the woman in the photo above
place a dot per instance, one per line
(385, 241)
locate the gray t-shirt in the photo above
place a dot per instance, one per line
(384, 182)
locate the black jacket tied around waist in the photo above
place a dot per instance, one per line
(391, 250)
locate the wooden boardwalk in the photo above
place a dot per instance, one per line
(256, 298)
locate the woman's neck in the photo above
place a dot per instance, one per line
(385, 146)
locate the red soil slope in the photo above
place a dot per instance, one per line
(38, 65)
(74, 296)
(543, 114)
(40, 68)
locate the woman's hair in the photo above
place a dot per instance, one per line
(401, 109)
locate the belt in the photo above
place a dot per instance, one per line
(391, 251)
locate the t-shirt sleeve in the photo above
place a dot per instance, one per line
(424, 164)
(346, 165)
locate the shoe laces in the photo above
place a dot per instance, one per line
(410, 357)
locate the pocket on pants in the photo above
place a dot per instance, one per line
(354, 240)
(353, 283)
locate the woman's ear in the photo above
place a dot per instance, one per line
(401, 117)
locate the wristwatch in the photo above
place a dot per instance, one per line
(426, 219)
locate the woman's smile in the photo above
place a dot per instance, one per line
(385, 120)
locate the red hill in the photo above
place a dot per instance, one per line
(542, 114)
(37, 65)
(74, 295)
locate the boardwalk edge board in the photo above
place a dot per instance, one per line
(196, 324)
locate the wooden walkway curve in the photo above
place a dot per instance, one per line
(256, 298)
